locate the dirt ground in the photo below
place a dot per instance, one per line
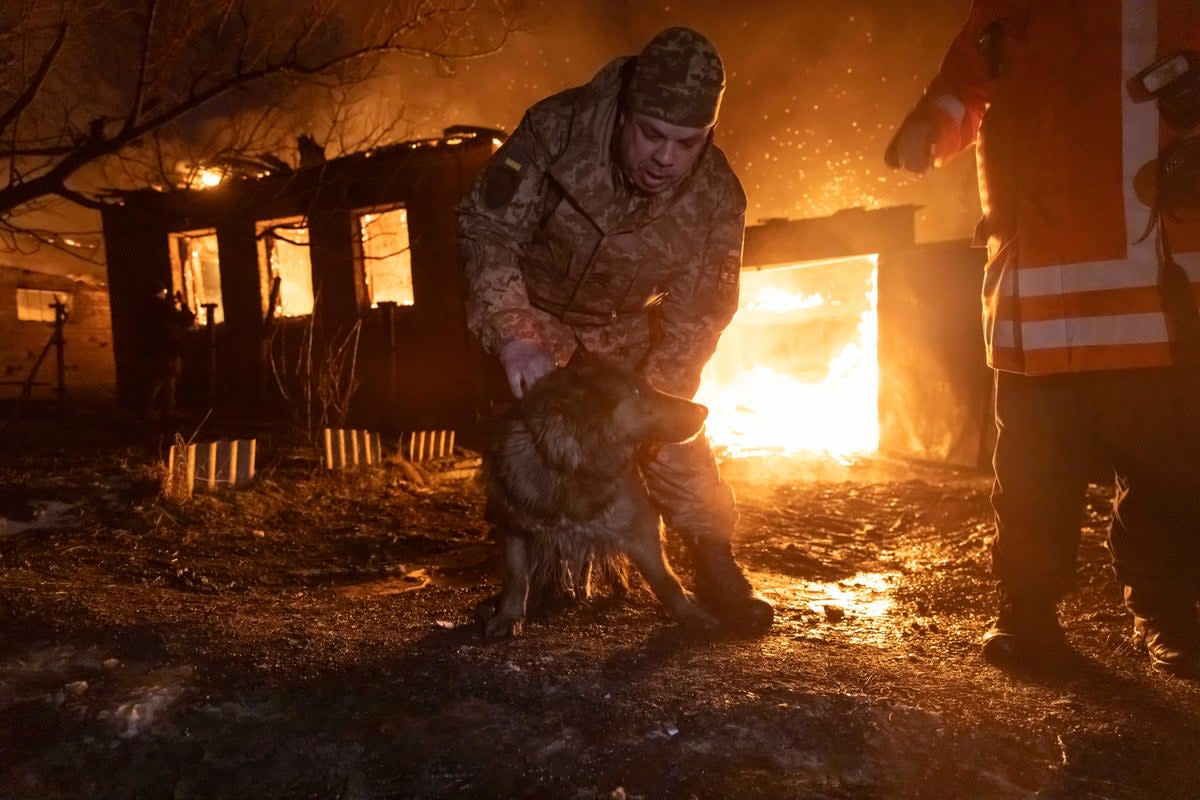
(313, 637)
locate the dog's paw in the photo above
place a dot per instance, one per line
(493, 624)
(502, 627)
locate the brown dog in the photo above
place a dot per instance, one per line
(563, 487)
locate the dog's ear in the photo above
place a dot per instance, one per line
(555, 437)
(552, 417)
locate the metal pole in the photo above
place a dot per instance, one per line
(60, 320)
(389, 321)
(210, 324)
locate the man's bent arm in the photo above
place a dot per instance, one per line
(955, 100)
(495, 222)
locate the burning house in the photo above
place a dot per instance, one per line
(333, 289)
(337, 286)
(853, 338)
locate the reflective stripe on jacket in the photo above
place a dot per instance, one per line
(1066, 160)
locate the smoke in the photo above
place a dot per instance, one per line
(557, 45)
(815, 91)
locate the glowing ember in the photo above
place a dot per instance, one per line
(797, 372)
(206, 178)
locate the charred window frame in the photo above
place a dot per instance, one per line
(196, 271)
(37, 305)
(284, 253)
(384, 248)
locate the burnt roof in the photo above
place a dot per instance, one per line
(271, 173)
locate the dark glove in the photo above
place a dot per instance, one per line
(525, 361)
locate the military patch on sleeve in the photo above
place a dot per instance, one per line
(731, 271)
(503, 178)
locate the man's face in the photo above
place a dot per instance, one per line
(656, 155)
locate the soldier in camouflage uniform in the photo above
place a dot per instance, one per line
(610, 221)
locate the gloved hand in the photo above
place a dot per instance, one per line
(912, 146)
(524, 362)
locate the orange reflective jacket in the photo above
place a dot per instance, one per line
(1067, 161)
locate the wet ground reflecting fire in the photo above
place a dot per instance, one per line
(854, 610)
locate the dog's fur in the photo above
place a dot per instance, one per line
(563, 487)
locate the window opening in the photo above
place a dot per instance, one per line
(196, 270)
(37, 305)
(283, 253)
(386, 254)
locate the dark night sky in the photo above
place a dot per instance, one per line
(815, 90)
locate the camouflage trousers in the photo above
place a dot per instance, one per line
(686, 486)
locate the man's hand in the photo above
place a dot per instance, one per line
(525, 361)
(912, 146)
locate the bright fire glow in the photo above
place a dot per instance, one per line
(867, 594)
(796, 372)
(210, 177)
(200, 177)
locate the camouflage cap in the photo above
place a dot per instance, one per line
(678, 78)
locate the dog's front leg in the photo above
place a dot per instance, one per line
(510, 607)
(645, 551)
(581, 578)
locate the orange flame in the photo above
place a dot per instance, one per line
(765, 392)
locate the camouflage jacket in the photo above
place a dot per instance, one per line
(557, 249)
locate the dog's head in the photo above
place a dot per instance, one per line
(594, 413)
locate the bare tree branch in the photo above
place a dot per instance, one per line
(79, 198)
(139, 87)
(35, 84)
(82, 107)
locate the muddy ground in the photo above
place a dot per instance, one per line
(313, 636)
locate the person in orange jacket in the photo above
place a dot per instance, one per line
(1084, 115)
